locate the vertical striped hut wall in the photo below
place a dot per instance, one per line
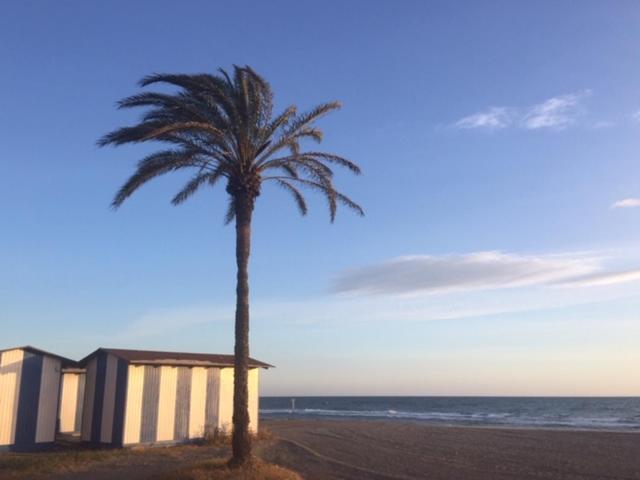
(89, 394)
(170, 404)
(48, 401)
(27, 415)
(105, 395)
(10, 373)
(29, 388)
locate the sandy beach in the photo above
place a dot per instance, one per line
(339, 449)
(365, 449)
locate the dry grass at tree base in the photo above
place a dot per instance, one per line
(204, 460)
(34, 465)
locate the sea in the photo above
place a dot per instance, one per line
(580, 413)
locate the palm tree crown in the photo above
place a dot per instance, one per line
(223, 127)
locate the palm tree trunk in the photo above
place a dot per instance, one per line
(241, 441)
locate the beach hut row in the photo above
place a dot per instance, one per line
(117, 397)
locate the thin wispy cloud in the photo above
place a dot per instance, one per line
(493, 118)
(424, 274)
(428, 274)
(627, 203)
(555, 113)
(603, 124)
(160, 322)
(636, 117)
(604, 279)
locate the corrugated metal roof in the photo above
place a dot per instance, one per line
(66, 362)
(148, 357)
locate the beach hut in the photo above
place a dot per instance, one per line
(71, 401)
(29, 387)
(136, 397)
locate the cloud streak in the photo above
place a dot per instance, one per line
(604, 279)
(627, 203)
(428, 274)
(494, 118)
(421, 274)
(555, 113)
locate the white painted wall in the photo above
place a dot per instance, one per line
(133, 409)
(167, 403)
(10, 372)
(198, 399)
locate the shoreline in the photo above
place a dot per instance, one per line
(386, 449)
(435, 423)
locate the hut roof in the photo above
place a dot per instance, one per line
(66, 362)
(148, 357)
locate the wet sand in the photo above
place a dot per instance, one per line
(339, 449)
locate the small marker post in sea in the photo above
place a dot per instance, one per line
(293, 405)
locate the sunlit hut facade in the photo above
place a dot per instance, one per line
(29, 390)
(137, 397)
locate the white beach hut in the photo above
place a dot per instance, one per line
(29, 387)
(135, 397)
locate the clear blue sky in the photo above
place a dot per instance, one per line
(500, 143)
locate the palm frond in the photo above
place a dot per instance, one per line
(330, 193)
(195, 183)
(297, 196)
(151, 167)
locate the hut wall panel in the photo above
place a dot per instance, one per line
(120, 400)
(183, 400)
(90, 390)
(253, 399)
(10, 373)
(150, 401)
(197, 402)
(167, 403)
(212, 401)
(109, 397)
(133, 409)
(98, 397)
(28, 400)
(48, 401)
(225, 410)
(79, 403)
(69, 402)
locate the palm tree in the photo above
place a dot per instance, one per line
(222, 127)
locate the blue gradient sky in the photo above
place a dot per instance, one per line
(495, 138)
